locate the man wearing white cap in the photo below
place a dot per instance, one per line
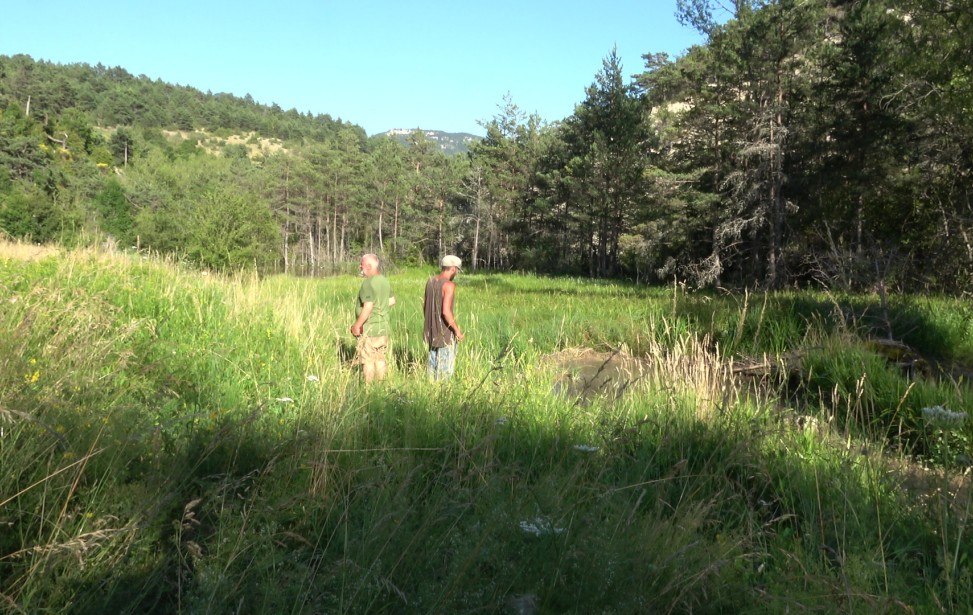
(440, 329)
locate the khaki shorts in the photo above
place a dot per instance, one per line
(371, 349)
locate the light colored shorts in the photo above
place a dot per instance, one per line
(372, 349)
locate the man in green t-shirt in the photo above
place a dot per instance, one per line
(375, 298)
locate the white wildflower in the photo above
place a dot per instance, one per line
(586, 448)
(284, 400)
(939, 416)
(312, 378)
(540, 527)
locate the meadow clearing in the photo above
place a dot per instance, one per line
(172, 441)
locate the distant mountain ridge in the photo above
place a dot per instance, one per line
(450, 143)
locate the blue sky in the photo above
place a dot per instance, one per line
(443, 65)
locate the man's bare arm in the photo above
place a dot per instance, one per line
(366, 311)
(448, 295)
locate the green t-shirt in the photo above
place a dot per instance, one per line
(377, 290)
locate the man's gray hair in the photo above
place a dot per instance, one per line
(373, 258)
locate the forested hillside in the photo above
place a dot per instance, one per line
(815, 142)
(450, 143)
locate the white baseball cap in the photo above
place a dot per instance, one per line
(451, 261)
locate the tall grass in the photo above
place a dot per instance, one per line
(177, 442)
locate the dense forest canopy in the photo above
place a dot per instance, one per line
(815, 142)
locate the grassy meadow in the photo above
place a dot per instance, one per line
(176, 442)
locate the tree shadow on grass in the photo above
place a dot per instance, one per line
(400, 355)
(553, 286)
(407, 358)
(347, 351)
(484, 500)
(903, 319)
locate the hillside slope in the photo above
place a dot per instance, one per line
(449, 143)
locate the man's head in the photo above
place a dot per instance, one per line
(451, 264)
(368, 265)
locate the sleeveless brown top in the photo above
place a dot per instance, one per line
(435, 331)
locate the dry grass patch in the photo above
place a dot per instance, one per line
(211, 144)
(18, 250)
(585, 373)
(687, 366)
